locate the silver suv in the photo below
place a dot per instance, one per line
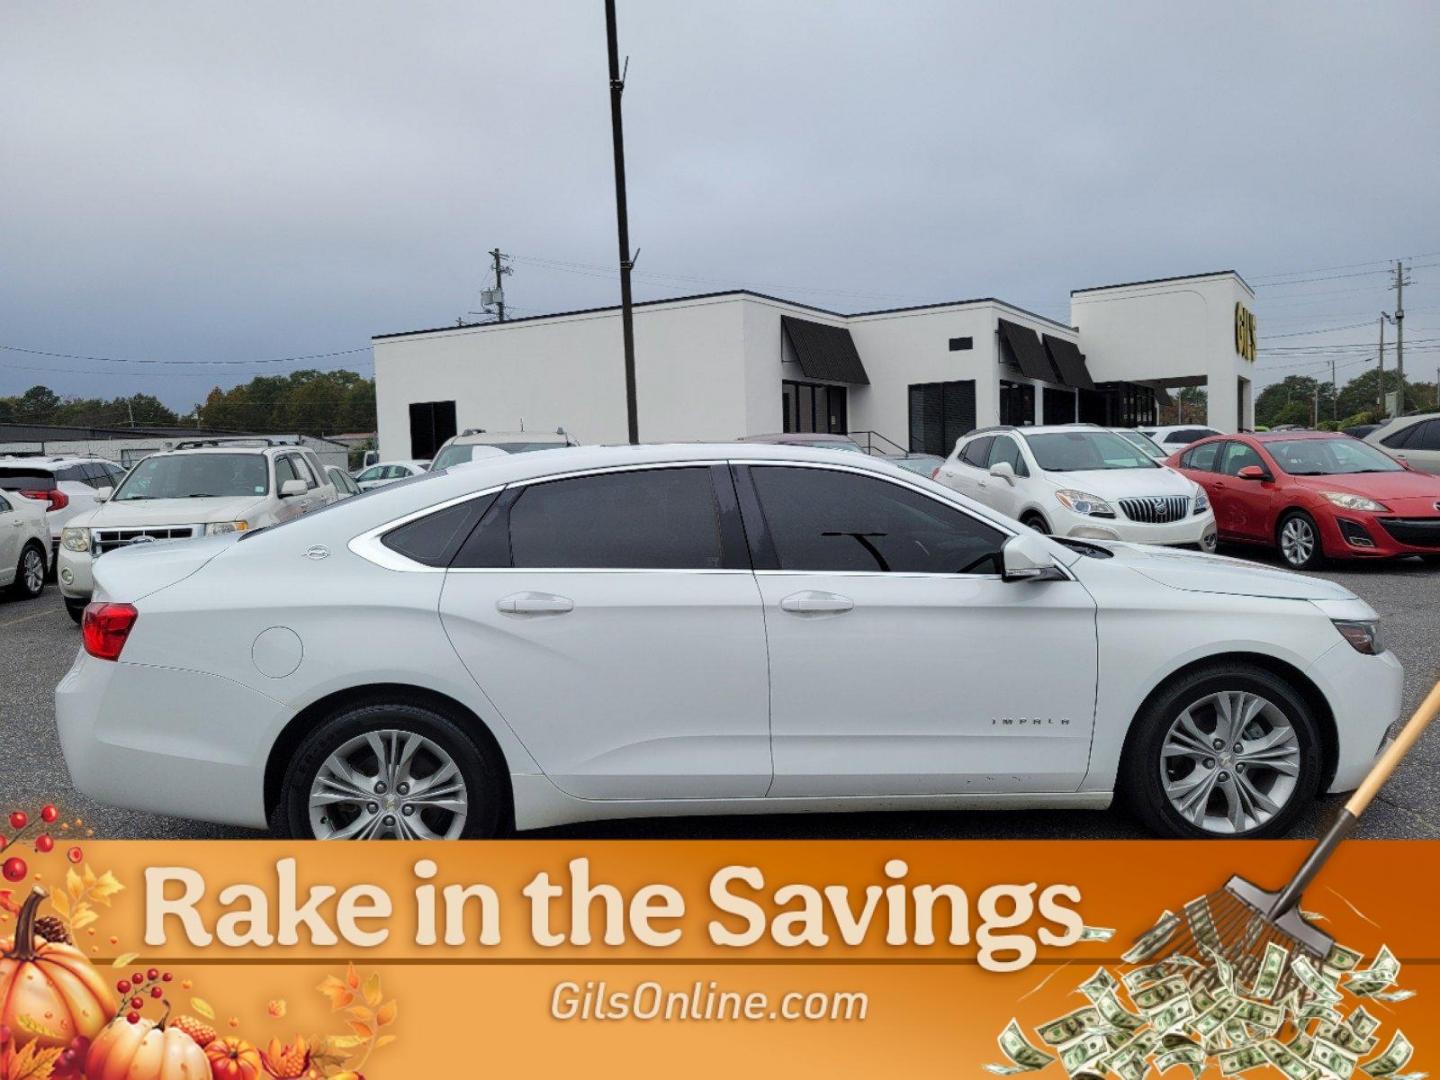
(460, 448)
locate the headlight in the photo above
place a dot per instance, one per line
(1202, 501)
(1354, 502)
(1363, 636)
(1085, 505)
(215, 528)
(75, 538)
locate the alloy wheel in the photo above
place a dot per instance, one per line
(32, 570)
(1297, 541)
(1230, 762)
(388, 784)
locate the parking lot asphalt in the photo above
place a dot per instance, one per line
(38, 643)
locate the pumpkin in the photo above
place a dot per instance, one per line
(145, 1050)
(51, 985)
(233, 1059)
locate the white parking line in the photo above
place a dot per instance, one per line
(27, 618)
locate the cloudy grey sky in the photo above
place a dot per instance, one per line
(204, 181)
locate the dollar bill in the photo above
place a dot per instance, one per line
(1267, 1017)
(1102, 982)
(1153, 940)
(1381, 974)
(1287, 1061)
(1396, 1056)
(1272, 966)
(1213, 1018)
(1116, 1015)
(1391, 996)
(1069, 1027)
(1202, 924)
(1149, 973)
(1342, 959)
(1332, 1059)
(1193, 1057)
(1083, 1052)
(1023, 1056)
(1318, 986)
(1302, 1043)
(1361, 1022)
(1346, 1037)
(1173, 1015)
(1160, 994)
(1242, 1059)
(1096, 933)
(1223, 971)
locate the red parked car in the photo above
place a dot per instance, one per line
(1315, 495)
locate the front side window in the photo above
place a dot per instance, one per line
(194, 476)
(1086, 451)
(647, 519)
(375, 472)
(1330, 457)
(1007, 450)
(1426, 436)
(302, 470)
(1239, 455)
(977, 453)
(830, 521)
(284, 472)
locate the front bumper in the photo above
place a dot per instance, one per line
(74, 571)
(1197, 529)
(134, 736)
(1348, 534)
(1364, 693)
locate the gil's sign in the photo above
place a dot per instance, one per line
(1244, 331)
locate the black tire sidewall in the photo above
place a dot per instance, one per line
(1033, 520)
(19, 587)
(1140, 783)
(1317, 557)
(484, 780)
(75, 609)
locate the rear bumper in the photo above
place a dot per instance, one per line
(143, 738)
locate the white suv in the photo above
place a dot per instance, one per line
(461, 448)
(194, 490)
(23, 537)
(1081, 481)
(66, 485)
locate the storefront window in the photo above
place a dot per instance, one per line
(811, 407)
(1017, 404)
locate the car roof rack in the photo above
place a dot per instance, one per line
(253, 440)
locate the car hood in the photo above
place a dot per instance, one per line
(127, 514)
(1191, 571)
(1404, 490)
(1124, 483)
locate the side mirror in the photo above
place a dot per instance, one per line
(103, 494)
(1027, 557)
(1252, 472)
(290, 488)
(1003, 470)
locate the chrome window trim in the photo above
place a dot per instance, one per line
(368, 546)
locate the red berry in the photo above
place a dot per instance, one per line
(152, 974)
(49, 813)
(137, 1003)
(138, 978)
(123, 986)
(156, 991)
(15, 868)
(133, 1017)
(74, 854)
(19, 819)
(166, 977)
(44, 844)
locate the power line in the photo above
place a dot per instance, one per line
(182, 363)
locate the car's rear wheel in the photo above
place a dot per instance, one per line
(1229, 751)
(1299, 540)
(391, 771)
(1036, 522)
(30, 573)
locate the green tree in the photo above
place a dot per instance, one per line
(1292, 399)
(307, 402)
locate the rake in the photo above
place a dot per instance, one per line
(1238, 922)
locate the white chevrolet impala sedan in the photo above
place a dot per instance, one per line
(621, 631)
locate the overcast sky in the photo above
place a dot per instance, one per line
(201, 181)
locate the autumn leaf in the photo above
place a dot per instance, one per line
(33, 1063)
(386, 1013)
(105, 887)
(344, 1042)
(88, 876)
(73, 884)
(124, 959)
(339, 994)
(352, 977)
(360, 1012)
(384, 1040)
(203, 1007)
(365, 1031)
(84, 915)
(372, 989)
(61, 903)
(35, 1027)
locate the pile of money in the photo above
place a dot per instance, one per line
(1196, 1012)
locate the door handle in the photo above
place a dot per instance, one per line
(534, 603)
(811, 602)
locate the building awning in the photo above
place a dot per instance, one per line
(825, 352)
(1023, 347)
(1070, 362)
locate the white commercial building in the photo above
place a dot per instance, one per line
(723, 365)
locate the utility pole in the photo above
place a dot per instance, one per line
(1315, 408)
(1334, 393)
(622, 219)
(1380, 382)
(1399, 321)
(500, 271)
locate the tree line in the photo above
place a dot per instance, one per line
(1306, 401)
(303, 402)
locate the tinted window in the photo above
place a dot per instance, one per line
(1426, 438)
(434, 539)
(1008, 450)
(1202, 457)
(977, 453)
(1239, 455)
(652, 519)
(19, 477)
(4, 505)
(1085, 451)
(1403, 436)
(1189, 435)
(820, 519)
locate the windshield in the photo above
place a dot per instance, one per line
(1086, 451)
(1144, 442)
(1329, 457)
(195, 476)
(456, 453)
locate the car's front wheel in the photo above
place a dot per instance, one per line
(1036, 522)
(391, 770)
(1229, 750)
(1299, 539)
(30, 572)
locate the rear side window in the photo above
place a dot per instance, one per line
(827, 520)
(1426, 437)
(1402, 437)
(435, 538)
(20, 478)
(1202, 457)
(977, 453)
(651, 519)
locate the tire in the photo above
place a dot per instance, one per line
(1032, 520)
(1146, 769)
(29, 573)
(481, 777)
(1300, 554)
(75, 609)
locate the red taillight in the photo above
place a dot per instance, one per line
(105, 628)
(935, 473)
(57, 499)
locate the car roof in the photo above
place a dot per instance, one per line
(1287, 436)
(557, 437)
(58, 462)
